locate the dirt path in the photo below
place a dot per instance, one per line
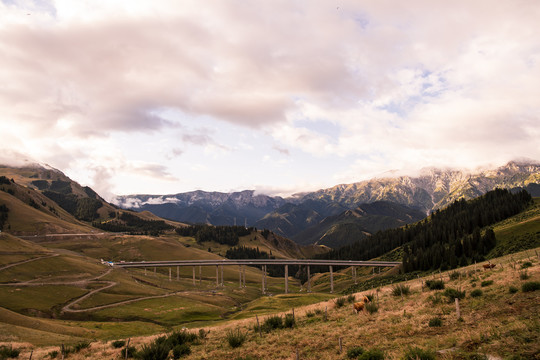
(27, 261)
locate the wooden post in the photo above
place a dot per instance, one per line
(326, 313)
(31, 352)
(308, 280)
(340, 344)
(126, 349)
(331, 280)
(294, 320)
(458, 313)
(62, 351)
(258, 325)
(286, 279)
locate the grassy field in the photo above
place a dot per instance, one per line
(501, 322)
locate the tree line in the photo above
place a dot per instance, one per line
(449, 237)
(4, 212)
(225, 235)
(127, 222)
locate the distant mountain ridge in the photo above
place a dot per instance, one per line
(431, 189)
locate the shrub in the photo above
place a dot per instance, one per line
(401, 289)
(272, 323)
(117, 344)
(372, 354)
(355, 352)
(371, 307)
(453, 276)
(53, 354)
(310, 314)
(236, 338)
(524, 275)
(435, 322)
(156, 350)
(512, 289)
(486, 283)
(340, 302)
(8, 352)
(370, 296)
(435, 284)
(180, 338)
(289, 321)
(203, 334)
(416, 353)
(131, 352)
(181, 350)
(80, 346)
(476, 293)
(351, 298)
(530, 286)
(451, 294)
(526, 264)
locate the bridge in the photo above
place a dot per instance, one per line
(241, 263)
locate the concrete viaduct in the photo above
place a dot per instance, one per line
(241, 263)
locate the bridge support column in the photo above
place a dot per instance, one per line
(286, 279)
(244, 274)
(144, 271)
(170, 272)
(178, 273)
(200, 275)
(194, 276)
(308, 280)
(331, 279)
(221, 275)
(217, 275)
(264, 279)
(354, 274)
(240, 275)
(154, 269)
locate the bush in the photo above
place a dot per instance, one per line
(289, 321)
(8, 352)
(435, 322)
(372, 354)
(181, 350)
(486, 283)
(453, 276)
(340, 302)
(131, 352)
(355, 352)
(351, 298)
(401, 289)
(417, 353)
(272, 323)
(526, 264)
(371, 307)
(530, 286)
(117, 344)
(53, 354)
(203, 334)
(524, 275)
(476, 293)
(236, 338)
(310, 314)
(180, 338)
(156, 350)
(512, 289)
(451, 294)
(435, 284)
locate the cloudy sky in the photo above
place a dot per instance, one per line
(162, 97)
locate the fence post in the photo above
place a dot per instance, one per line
(258, 325)
(340, 344)
(126, 349)
(458, 313)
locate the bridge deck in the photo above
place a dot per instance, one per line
(142, 264)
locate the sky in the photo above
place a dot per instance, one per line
(281, 96)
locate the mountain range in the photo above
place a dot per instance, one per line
(339, 214)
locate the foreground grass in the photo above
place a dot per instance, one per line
(501, 322)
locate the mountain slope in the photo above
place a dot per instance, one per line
(352, 225)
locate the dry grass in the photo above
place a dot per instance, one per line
(497, 323)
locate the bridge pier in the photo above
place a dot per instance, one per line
(264, 279)
(200, 275)
(286, 279)
(308, 280)
(178, 273)
(194, 276)
(240, 275)
(222, 281)
(331, 280)
(354, 274)
(170, 271)
(217, 275)
(244, 274)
